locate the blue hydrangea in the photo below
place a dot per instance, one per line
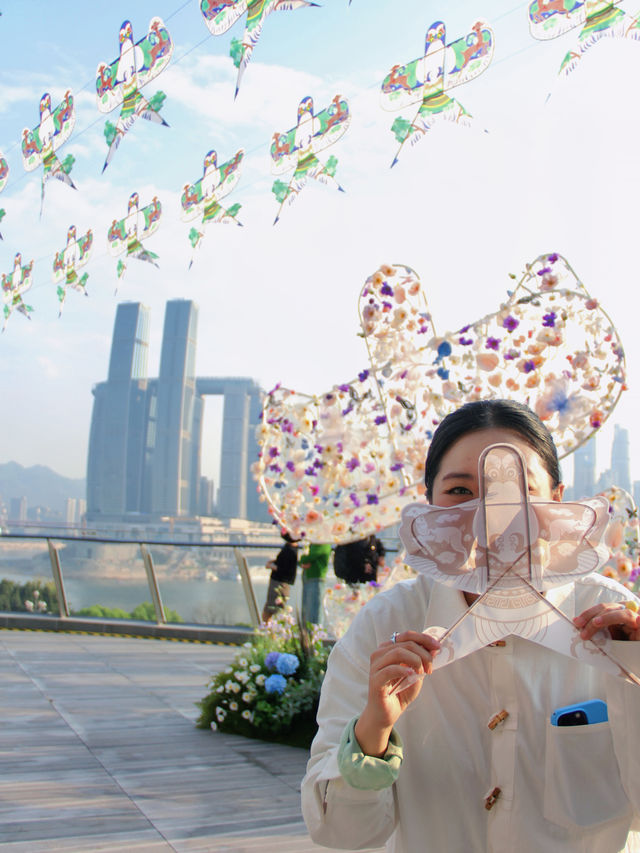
(271, 660)
(287, 664)
(275, 684)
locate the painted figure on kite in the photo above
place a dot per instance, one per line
(40, 144)
(74, 255)
(126, 235)
(14, 284)
(4, 175)
(599, 19)
(297, 148)
(119, 83)
(202, 199)
(221, 15)
(426, 81)
(338, 466)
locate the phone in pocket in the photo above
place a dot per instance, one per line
(581, 714)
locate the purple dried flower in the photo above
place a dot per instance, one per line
(549, 320)
(529, 365)
(510, 323)
(372, 499)
(465, 341)
(386, 290)
(381, 419)
(493, 343)
(352, 464)
(362, 376)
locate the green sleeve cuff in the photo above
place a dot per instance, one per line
(364, 771)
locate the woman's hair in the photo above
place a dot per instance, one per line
(491, 414)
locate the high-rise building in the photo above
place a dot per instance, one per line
(70, 511)
(620, 458)
(18, 509)
(584, 471)
(146, 434)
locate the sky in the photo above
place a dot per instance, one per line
(548, 164)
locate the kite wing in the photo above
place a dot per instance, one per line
(229, 175)
(61, 123)
(331, 123)
(405, 84)
(117, 237)
(151, 217)
(549, 19)
(192, 200)
(84, 244)
(221, 15)
(284, 152)
(469, 56)
(4, 172)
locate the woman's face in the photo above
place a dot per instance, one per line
(457, 479)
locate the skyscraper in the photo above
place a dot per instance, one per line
(620, 458)
(584, 470)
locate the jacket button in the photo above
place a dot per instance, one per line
(490, 801)
(498, 718)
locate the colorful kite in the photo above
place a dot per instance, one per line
(202, 199)
(341, 465)
(127, 234)
(221, 15)
(14, 284)
(599, 19)
(426, 81)
(4, 174)
(121, 81)
(297, 148)
(74, 255)
(40, 144)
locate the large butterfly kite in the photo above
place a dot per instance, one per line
(221, 15)
(119, 82)
(40, 144)
(126, 234)
(340, 465)
(67, 261)
(426, 80)
(297, 148)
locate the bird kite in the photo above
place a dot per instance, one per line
(74, 255)
(519, 554)
(221, 15)
(119, 83)
(4, 174)
(202, 199)
(599, 19)
(297, 148)
(126, 235)
(339, 466)
(40, 144)
(426, 80)
(14, 284)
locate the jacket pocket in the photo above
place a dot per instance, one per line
(582, 779)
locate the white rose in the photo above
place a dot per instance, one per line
(233, 706)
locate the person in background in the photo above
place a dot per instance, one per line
(283, 576)
(314, 565)
(358, 562)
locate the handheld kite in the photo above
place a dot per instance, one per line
(426, 81)
(202, 199)
(66, 263)
(126, 235)
(221, 15)
(14, 284)
(519, 555)
(40, 144)
(338, 466)
(4, 175)
(297, 148)
(119, 83)
(599, 19)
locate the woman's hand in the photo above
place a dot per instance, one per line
(390, 663)
(622, 622)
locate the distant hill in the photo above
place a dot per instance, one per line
(40, 485)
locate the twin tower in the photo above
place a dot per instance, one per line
(146, 434)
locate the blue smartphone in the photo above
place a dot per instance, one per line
(581, 714)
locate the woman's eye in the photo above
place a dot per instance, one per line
(459, 490)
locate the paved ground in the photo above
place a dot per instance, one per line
(99, 752)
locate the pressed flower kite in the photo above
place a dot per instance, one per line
(426, 80)
(127, 234)
(74, 255)
(14, 284)
(341, 465)
(599, 19)
(297, 148)
(40, 144)
(120, 81)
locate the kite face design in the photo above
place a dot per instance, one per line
(14, 284)
(126, 235)
(119, 83)
(40, 144)
(202, 199)
(510, 550)
(297, 148)
(425, 81)
(66, 263)
(599, 19)
(221, 15)
(340, 465)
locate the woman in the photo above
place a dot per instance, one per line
(466, 759)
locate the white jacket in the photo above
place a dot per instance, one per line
(562, 788)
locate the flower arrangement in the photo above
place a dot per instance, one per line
(271, 689)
